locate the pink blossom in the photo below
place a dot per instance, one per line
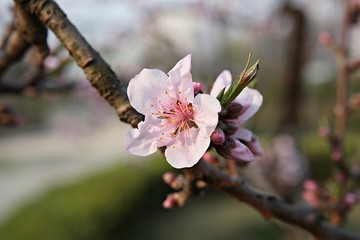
(250, 101)
(173, 116)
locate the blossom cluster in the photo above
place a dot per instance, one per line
(187, 122)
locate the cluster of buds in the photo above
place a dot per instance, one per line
(227, 137)
(316, 195)
(176, 182)
(184, 189)
(336, 153)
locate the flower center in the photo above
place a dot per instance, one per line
(179, 116)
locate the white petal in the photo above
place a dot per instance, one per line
(221, 82)
(143, 89)
(180, 157)
(147, 138)
(181, 69)
(181, 79)
(251, 100)
(206, 113)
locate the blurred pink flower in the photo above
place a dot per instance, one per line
(325, 39)
(250, 101)
(173, 116)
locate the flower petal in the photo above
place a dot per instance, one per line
(181, 71)
(243, 134)
(251, 100)
(181, 79)
(181, 155)
(241, 152)
(206, 113)
(221, 82)
(147, 138)
(143, 89)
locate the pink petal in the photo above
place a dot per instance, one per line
(221, 82)
(181, 155)
(251, 101)
(147, 138)
(206, 113)
(143, 89)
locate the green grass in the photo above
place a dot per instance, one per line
(95, 208)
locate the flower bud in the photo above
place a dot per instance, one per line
(211, 158)
(223, 114)
(310, 185)
(235, 150)
(351, 199)
(170, 201)
(169, 177)
(197, 88)
(311, 198)
(230, 127)
(234, 110)
(175, 181)
(218, 137)
(221, 125)
(255, 146)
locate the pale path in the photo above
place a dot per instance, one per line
(32, 163)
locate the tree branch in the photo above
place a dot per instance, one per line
(97, 71)
(308, 218)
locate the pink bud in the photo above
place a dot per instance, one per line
(310, 185)
(169, 177)
(218, 137)
(235, 150)
(311, 198)
(211, 158)
(241, 153)
(197, 88)
(175, 181)
(351, 199)
(325, 39)
(170, 201)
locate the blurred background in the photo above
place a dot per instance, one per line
(64, 173)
